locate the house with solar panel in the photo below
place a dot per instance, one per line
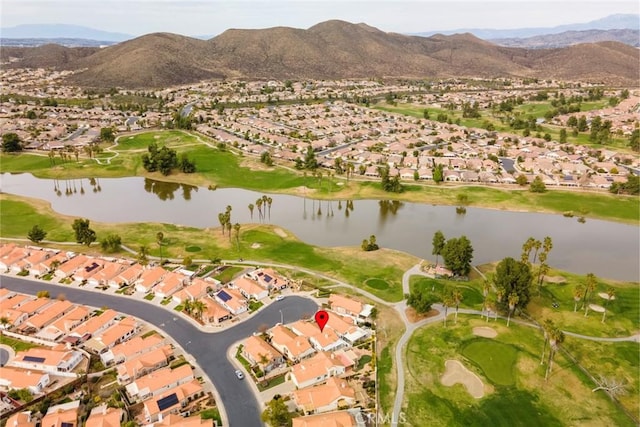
(56, 360)
(172, 401)
(63, 415)
(269, 279)
(232, 300)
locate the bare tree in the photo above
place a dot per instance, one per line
(613, 386)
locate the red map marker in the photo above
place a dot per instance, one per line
(322, 317)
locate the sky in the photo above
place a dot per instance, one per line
(212, 17)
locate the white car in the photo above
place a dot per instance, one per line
(239, 374)
(279, 297)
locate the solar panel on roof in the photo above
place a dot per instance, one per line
(33, 359)
(91, 267)
(267, 278)
(64, 424)
(223, 296)
(167, 402)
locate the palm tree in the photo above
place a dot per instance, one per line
(4, 321)
(198, 308)
(456, 298)
(578, 294)
(222, 220)
(143, 253)
(590, 287)
(259, 206)
(263, 360)
(547, 326)
(485, 292)
(251, 209)
(611, 294)
(187, 306)
(160, 238)
(446, 303)
(236, 229)
(556, 337)
(513, 301)
(269, 202)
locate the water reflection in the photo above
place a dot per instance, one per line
(166, 190)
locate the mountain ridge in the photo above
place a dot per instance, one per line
(328, 50)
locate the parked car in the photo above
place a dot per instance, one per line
(279, 297)
(239, 374)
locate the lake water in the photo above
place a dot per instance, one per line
(607, 249)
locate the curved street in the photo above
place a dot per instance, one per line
(208, 349)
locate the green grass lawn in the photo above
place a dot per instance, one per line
(471, 293)
(15, 344)
(141, 141)
(228, 273)
(497, 360)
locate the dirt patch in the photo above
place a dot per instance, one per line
(485, 331)
(456, 373)
(280, 232)
(414, 317)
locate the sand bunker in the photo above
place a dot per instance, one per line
(554, 279)
(256, 246)
(280, 232)
(485, 331)
(456, 373)
(606, 296)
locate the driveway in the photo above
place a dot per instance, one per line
(209, 350)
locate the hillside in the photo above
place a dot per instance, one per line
(331, 50)
(568, 38)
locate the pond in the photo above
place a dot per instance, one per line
(607, 249)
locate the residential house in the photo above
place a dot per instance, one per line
(53, 312)
(334, 394)
(12, 257)
(115, 334)
(170, 283)
(350, 307)
(293, 347)
(54, 360)
(346, 329)
(249, 288)
(64, 415)
(64, 324)
(231, 300)
(171, 401)
(149, 278)
(269, 279)
(88, 269)
(103, 416)
(68, 268)
(126, 277)
(131, 349)
(21, 419)
(197, 289)
(159, 381)
(316, 369)
(144, 364)
(173, 420)
(109, 271)
(325, 340)
(95, 325)
(258, 352)
(327, 419)
(15, 379)
(214, 313)
(34, 306)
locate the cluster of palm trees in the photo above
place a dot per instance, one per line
(535, 245)
(452, 299)
(194, 308)
(225, 224)
(554, 336)
(265, 202)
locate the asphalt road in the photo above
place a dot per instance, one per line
(4, 356)
(209, 349)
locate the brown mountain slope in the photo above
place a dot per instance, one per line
(153, 60)
(338, 49)
(48, 55)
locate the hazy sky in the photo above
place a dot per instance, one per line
(213, 17)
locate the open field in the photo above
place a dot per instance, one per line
(223, 168)
(527, 400)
